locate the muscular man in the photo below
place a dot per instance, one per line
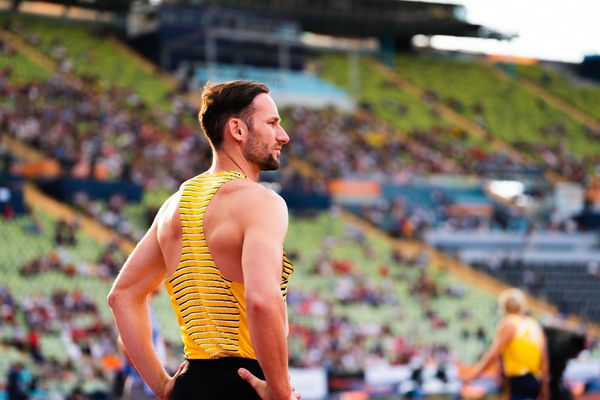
(218, 245)
(521, 344)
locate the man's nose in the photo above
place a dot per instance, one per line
(283, 137)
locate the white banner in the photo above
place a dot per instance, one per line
(311, 383)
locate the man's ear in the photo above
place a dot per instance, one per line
(235, 128)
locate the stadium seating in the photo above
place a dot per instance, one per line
(287, 87)
(22, 69)
(417, 118)
(25, 239)
(584, 95)
(350, 288)
(92, 54)
(406, 315)
(390, 103)
(573, 288)
(507, 109)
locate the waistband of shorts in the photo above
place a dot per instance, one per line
(223, 362)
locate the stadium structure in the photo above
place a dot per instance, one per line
(420, 184)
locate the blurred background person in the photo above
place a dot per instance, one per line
(521, 346)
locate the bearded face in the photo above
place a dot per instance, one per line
(266, 136)
(262, 152)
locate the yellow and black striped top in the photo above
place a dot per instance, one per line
(210, 308)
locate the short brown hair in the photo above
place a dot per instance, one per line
(222, 101)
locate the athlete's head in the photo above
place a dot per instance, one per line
(512, 301)
(244, 113)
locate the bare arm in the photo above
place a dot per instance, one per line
(545, 378)
(129, 300)
(264, 229)
(506, 331)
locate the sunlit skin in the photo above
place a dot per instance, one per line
(265, 135)
(247, 247)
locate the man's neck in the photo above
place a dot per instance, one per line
(223, 161)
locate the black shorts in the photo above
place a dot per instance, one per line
(216, 379)
(524, 387)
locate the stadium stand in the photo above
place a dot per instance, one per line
(20, 68)
(287, 87)
(90, 54)
(570, 286)
(76, 265)
(389, 102)
(529, 121)
(419, 114)
(357, 304)
(563, 83)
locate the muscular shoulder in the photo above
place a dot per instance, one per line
(252, 193)
(167, 218)
(251, 200)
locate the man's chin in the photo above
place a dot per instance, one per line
(270, 165)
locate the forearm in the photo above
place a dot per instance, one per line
(485, 363)
(267, 325)
(545, 378)
(134, 325)
(504, 334)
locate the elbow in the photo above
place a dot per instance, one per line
(113, 299)
(264, 304)
(120, 297)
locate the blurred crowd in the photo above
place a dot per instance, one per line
(358, 145)
(337, 326)
(84, 345)
(56, 339)
(552, 155)
(322, 330)
(112, 134)
(60, 259)
(103, 134)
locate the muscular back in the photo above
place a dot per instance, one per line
(223, 226)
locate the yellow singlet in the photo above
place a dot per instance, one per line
(210, 308)
(524, 352)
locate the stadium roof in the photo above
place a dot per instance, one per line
(398, 18)
(357, 18)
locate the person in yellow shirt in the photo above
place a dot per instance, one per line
(520, 344)
(217, 246)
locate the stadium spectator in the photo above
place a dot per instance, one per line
(521, 344)
(65, 233)
(17, 381)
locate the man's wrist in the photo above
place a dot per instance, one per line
(282, 391)
(164, 386)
